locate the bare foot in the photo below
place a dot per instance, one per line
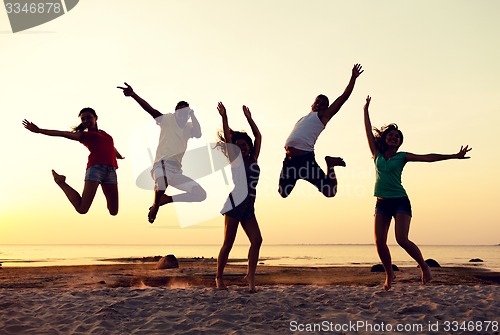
(426, 274)
(334, 161)
(58, 178)
(389, 278)
(251, 283)
(219, 283)
(153, 210)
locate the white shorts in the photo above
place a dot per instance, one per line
(166, 172)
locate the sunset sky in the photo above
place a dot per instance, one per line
(431, 67)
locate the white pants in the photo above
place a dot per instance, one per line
(167, 173)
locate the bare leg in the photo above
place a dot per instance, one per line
(402, 228)
(81, 203)
(111, 193)
(230, 229)
(153, 210)
(252, 230)
(382, 224)
(331, 163)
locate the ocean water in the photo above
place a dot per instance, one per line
(291, 255)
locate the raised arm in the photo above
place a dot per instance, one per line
(335, 106)
(369, 129)
(231, 148)
(66, 134)
(128, 91)
(196, 131)
(225, 125)
(255, 130)
(438, 157)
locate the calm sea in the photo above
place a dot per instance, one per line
(293, 255)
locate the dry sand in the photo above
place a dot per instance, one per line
(138, 299)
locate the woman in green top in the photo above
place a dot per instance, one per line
(392, 199)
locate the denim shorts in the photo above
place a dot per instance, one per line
(391, 206)
(104, 174)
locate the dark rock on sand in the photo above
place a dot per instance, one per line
(476, 260)
(167, 262)
(432, 263)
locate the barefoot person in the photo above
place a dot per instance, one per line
(243, 212)
(101, 164)
(392, 200)
(300, 162)
(174, 135)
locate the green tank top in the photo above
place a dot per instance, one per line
(388, 176)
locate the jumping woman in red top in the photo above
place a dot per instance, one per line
(101, 165)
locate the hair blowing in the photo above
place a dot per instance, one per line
(81, 127)
(381, 134)
(235, 135)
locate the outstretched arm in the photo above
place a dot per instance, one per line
(368, 128)
(335, 106)
(128, 91)
(255, 131)
(66, 134)
(438, 157)
(196, 131)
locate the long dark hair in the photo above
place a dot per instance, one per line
(235, 135)
(381, 134)
(81, 127)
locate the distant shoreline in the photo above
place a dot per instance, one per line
(271, 255)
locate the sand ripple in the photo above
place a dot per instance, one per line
(276, 309)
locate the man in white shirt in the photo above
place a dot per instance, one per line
(174, 135)
(300, 162)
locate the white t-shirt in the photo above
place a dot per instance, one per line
(173, 139)
(306, 132)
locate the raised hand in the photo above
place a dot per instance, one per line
(367, 104)
(221, 109)
(463, 151)
(31, 126)
(247, 113)
(127, 91)
(356, 70)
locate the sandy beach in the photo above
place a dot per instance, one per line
(136, 298)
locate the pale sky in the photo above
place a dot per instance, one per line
(431, 67)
